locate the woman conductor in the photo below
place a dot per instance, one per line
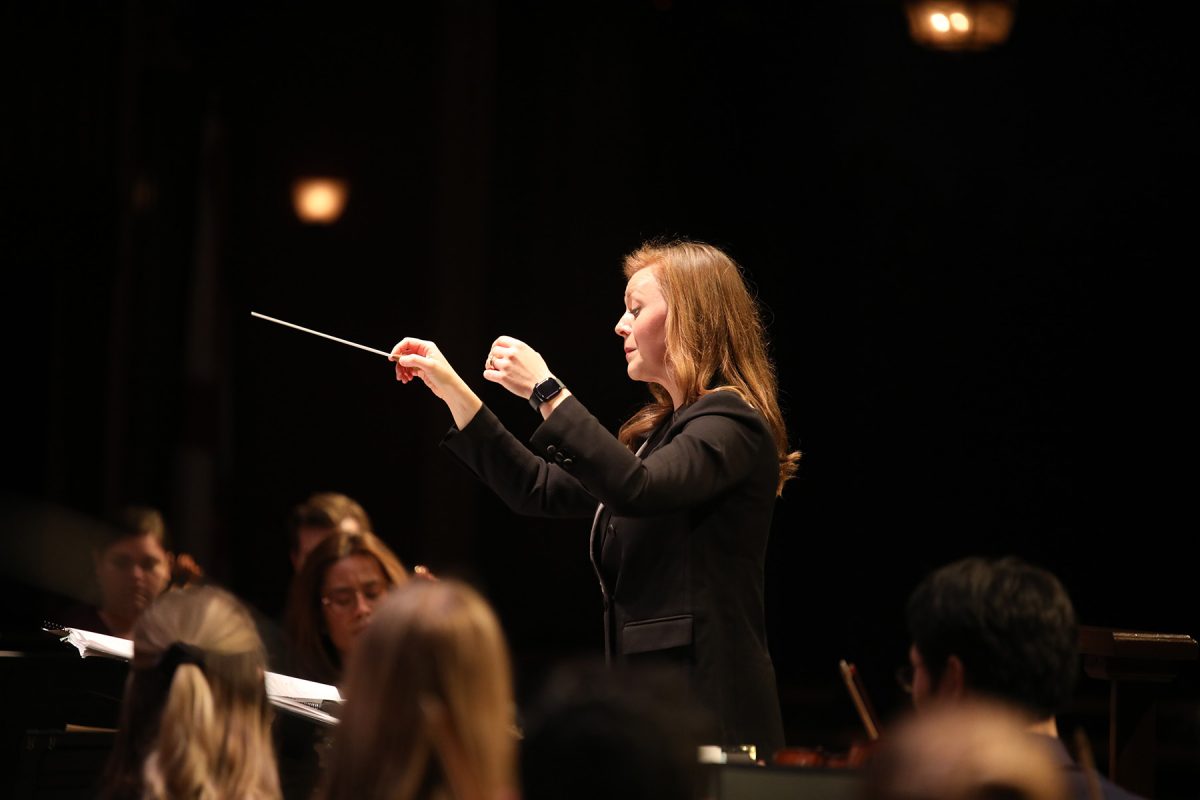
(681, 499)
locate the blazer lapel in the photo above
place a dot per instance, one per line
(595, 546)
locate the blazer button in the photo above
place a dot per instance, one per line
(551, 450)
(567, 462)
(559, 457)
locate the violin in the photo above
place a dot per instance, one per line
(856, 757)
(860, 751)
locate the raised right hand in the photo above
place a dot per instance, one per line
(418, 358)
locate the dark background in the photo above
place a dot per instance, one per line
(970, 265)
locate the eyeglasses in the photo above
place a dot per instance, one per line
(345, 598)
(904, 677)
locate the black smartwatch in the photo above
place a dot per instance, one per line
(544, 391)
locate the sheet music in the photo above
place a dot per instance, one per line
(304, 710)
(284, 691)
(300, 689)
(99, 644)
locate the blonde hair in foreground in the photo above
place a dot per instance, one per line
(430, 705)
(214, 736)
(715, 339)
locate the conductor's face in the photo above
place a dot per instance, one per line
(643, 326)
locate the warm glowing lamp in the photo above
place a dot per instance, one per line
(960, 24)
(319, 201)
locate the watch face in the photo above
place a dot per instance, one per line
(547, 389)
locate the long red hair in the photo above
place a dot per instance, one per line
(715, 339)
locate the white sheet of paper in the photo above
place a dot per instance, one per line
(99, 644)
(287, 686)
(303, 710)
(90, 643)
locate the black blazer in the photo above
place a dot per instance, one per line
(678, 542)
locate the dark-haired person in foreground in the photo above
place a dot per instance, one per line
(596, 733)
(1000, 629)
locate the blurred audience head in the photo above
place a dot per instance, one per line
(318, 516)
(332, 598)
(597, 732)
(1000, 629)
(975, 750)
(430, 706)
(195, 720)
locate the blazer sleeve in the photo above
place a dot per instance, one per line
(719, 440)
(526, 483)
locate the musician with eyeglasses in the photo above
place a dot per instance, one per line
(332, 597)
(331, 600)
